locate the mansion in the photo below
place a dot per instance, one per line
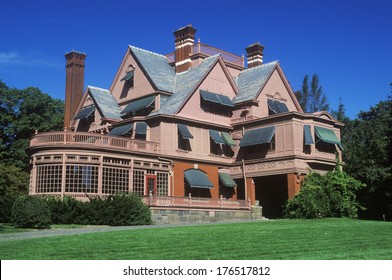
(199, 128)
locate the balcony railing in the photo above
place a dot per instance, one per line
(92, 139)
(209, 51)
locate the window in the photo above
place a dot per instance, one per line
(115, 180)
(81, 179)
(276, 107)
(138, 182)
(183, 137)
(217, 104)
(162, 183)
(216, 143)
(129, 82)
(49, 178)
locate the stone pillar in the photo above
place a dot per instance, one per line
(293, 184)
(250, 190)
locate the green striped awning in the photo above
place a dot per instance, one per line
(141, 128)
(138, 105)
(85, 112)
(327, 135)
(227, 138)
(184, 131)
(121, 130)
(198, 179)
(227, 180)
(308, 135)
(258, 136)
(216, 98)
(277, 106)
(215, 136)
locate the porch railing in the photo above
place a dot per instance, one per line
(195, 202)
(92, 139)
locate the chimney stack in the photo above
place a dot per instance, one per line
(74, 85)
(254, 55)
(184, 39)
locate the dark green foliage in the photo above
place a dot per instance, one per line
(368, 158)
(128, 210)
(13, 183)
(31, 212)
(116, 210)
(324, 196)
(311, 97)
(21, 113)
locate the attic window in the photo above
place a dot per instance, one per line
(128, 82)
(217, 104)
(276, 107)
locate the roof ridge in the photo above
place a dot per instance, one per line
(147, 51)
(260, 66)
(94, 87)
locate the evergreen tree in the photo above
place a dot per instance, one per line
(311, 97)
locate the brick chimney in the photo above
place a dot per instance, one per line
(184, 39)
(254, 55)
(74, 85)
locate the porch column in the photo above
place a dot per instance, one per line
(293, 184)
(250, 190)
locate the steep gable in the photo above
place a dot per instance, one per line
(105, 102)
(251, 81)
(185, 84)
(156, 67)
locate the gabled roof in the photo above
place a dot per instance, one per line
(250, 81)
(105, 102)
(185, 84)
(156, 67)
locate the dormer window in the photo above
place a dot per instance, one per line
(128, 80)
(216, 103)
(276, 107)
(140, 107)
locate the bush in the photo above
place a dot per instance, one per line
(128, 210)
(331, 195)
(116, 210)
(31, 212)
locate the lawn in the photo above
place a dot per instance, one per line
(273, 240)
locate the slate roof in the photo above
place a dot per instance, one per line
(106, 103)
(157, 67)
(250, 81)
(185, 84)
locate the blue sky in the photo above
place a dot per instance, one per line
(347, 43)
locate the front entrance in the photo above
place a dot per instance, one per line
(151, 184)
(271, 192)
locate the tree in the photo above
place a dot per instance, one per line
(325, 196)
(368, 158)
(21, 113)
(311, 96)
(340, 113)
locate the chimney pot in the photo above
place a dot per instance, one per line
(254, 54)
(184, 40)
(74, 85)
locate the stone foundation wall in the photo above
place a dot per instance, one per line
(184, 216)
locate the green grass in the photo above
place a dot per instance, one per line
(279, 239)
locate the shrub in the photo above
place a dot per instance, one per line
(128, 210)
(331, 195)
(31, 212)
(116, 210)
